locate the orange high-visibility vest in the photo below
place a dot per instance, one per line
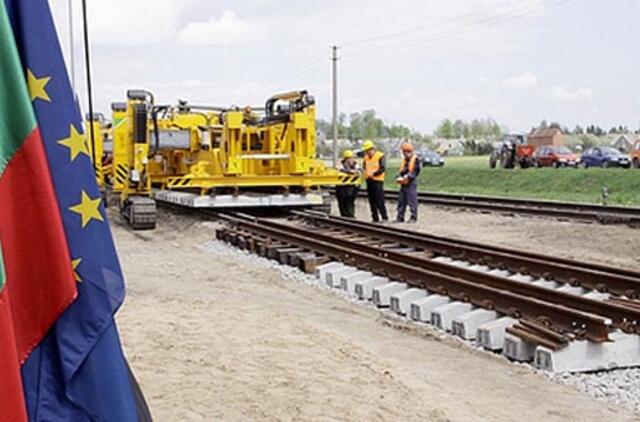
(412, 164)
(371, 165)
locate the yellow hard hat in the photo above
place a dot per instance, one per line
(368, 144)
(347, 154)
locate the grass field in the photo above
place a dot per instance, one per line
(472, 175)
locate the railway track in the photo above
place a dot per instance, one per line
(604, 214)
(544, 309)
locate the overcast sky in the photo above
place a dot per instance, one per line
(414, 61)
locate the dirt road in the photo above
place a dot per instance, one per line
(213, 334)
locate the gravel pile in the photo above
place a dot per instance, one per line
(618, 386)
(290, 273)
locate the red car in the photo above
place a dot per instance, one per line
(555, 157)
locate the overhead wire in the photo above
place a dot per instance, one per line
(540, 7)
(452, 32)
(290, 69)
(475, 24)
(306, 77)
(444, 22)
(306, 68)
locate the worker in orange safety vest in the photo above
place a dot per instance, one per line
(408, 181)
(374, 168)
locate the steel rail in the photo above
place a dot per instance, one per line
(582, 324)
(570, 210)
(575, 206)
(592, 276)
(623, 317)
(608, 214)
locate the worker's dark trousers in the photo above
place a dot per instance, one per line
(408, 195)
(346, 196)
(375, 193)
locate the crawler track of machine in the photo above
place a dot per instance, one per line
(140, 213)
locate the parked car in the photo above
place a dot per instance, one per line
(635, 155)
(604, 157)
(547, 156)
(430, 158)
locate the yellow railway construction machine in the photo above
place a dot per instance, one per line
(212, 157)
(101, 130)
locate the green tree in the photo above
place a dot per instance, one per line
(399, 131)
(446, 130)
(459, 128)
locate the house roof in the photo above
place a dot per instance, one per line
(545, 133)
(623, 138)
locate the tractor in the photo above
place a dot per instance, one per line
(513, 150)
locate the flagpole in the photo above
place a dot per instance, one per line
(71, 55)
(87, 63)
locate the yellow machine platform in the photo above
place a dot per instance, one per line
(215, 157)
(246, 200)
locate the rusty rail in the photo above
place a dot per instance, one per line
(591, 276)
(489, 294)
(623, 316)
(606, 214)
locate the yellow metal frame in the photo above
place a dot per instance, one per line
(226, 149)
(98, 136)
(129, 157)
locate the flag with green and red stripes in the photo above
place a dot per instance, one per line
(63, 281)
(37, 281)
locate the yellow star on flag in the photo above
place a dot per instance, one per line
(74, 264)
(88, 209)
(37, 86)
(76, 142)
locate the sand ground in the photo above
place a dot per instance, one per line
(213, 334)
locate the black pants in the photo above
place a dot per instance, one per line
(408, 195)
(346, 196)
(375, 193)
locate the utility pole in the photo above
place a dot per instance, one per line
(334, 59)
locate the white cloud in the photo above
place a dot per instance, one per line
(227, 30)
(515, 7)
(133, 23)
(562, 93)
(526, 80)
(135, 40)
(484, 80)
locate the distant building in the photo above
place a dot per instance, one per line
(623, 143)
(449, 147)
(546, 137)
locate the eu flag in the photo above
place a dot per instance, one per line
(78, 372)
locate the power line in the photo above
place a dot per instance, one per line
(309, 67)
(419, 28)
(540, 7)
(486, 21)
(312, 70)
(457, 20)
(301, 67)
(478, 23)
